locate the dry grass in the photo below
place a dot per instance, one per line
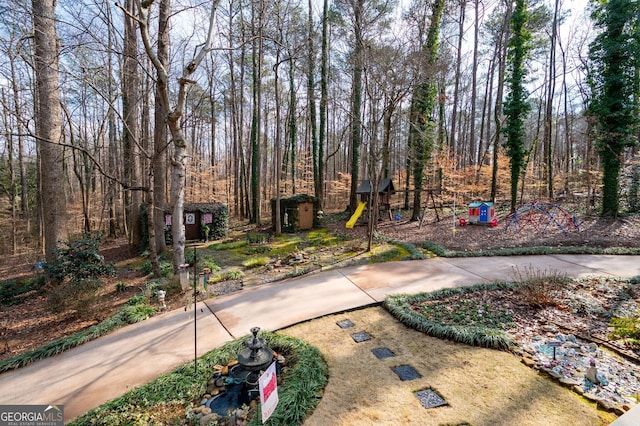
(481, 386)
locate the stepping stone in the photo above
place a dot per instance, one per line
(430, 399)
(382, 353)
(360, 337)
(345, 324)
(406, 372)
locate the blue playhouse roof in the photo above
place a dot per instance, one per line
(476, 204)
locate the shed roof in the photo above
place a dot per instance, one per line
(386, 185)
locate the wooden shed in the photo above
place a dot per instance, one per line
(202, 221)
(297, 212)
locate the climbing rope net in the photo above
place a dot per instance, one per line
(540, 215)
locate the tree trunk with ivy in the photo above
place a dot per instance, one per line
(615, 59)
(422, 128)
(516, 107)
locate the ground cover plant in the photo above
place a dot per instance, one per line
(461, 322)
(170, 398)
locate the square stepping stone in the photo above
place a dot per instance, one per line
(345, 324)
(360, 336)
(382, 353)
(406, 372)
(430, 398)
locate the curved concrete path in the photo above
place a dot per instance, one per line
(89, 375)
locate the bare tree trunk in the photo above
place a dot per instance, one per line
(49, 126)
(311, 99)
(256, 56)
(160, 136)
(178, 169)
(324, 95)
(456, 87)
(10, 189)
(501, 47)
(130, 137)
(356, 105)
(548, 116)
(474, 151)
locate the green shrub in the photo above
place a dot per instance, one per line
(137, 313)
(234, 274)
(13, 292)
(78, 260)
(256, 262)
(228, 245)
(136, 300)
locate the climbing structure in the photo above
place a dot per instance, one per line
(540, 215)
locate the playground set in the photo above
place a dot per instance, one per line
(385, 191)
(540, 215)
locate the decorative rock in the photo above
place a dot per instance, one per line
(570, 383)
(591, 397)
(592, 347)
(209, 419)
(549, 329)
(205, 410)
(579, 390)
(605, 405)
(528, 362)
(618, 411)
(626, 407)
(554, 374)
(571, 338)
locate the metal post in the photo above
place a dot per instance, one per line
(195, 311)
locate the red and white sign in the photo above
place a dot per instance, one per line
(268, 384)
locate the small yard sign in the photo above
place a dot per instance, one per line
(268, 384)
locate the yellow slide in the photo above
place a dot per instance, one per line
(356, 215)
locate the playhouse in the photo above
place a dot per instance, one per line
(365, 190)
(480, 213)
